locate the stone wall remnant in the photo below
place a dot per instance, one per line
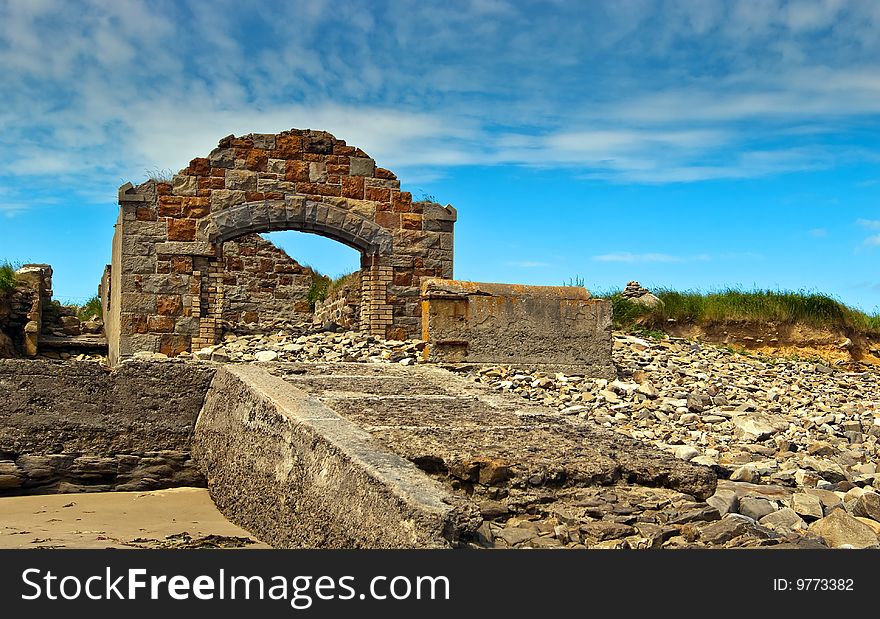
(166, 291)
(342, 306)
(70, 426)
(262, 284)
(535, 326)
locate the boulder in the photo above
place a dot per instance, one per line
(840, 530)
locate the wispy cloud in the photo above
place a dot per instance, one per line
(629, 257)
(818, 233)
(870, 224)
(756, 88)
(873, 241)
(527, 264)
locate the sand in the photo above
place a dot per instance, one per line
(174, 518)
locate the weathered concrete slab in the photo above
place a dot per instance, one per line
(297, 474)
(558, 327)
(460, 430)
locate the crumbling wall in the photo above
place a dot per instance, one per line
(14, 308)
(552, 326)
(342, 306)
(262, 284)
(74, 427)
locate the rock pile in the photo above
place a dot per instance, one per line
(636, 293)
(324, 346)
(792, 442)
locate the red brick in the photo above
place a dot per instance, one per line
(168, 305)
(257, 160)
(173, 345)
(411, 221)
(196, 207)
(181, 229)
(160, 324)
(353, 187)
(170, 206)
(388, 220)
(145, 214)
(288, 145)
(386, 174)
(297, 171)
(379, 194)
(401, 201)
(163, 189)
(200, 166)
(182, 264)
(211, 182)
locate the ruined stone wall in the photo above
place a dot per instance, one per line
(74, 426)
(262, 284)
(14, 308)
(342, 306)
(170, 264)
(557, 327)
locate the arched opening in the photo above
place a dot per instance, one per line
(288, 279)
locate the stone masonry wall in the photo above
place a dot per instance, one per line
(75, 427)
(263, 284)
(169, 260)
(342, 306)
(14, 308)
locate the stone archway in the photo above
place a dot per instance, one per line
(165, 284)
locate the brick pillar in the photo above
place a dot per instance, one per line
(376, 312)
(207, 306)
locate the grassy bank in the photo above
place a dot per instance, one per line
(756, 306)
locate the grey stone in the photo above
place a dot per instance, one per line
(362, 166)
(783, 520)
(725, 501)
(726, 529)
(868, 506)
(755, 507)
(752, 427)
(183, 185)
(242, 180)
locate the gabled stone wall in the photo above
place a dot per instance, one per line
(168, 264)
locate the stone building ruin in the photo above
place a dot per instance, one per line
(171, 282)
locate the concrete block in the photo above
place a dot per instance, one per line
(297, 474)
(558, 327)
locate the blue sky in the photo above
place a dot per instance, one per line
(688, 144)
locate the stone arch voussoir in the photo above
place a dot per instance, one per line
(302, 215)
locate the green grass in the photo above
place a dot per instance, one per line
(759, 306)
(7, 276)
(324, 285)
(90, 308)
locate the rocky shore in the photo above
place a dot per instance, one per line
(794, 443)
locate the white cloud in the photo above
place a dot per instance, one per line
(755, 88)
(871, 224)
(818, 233)
(873, 241)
